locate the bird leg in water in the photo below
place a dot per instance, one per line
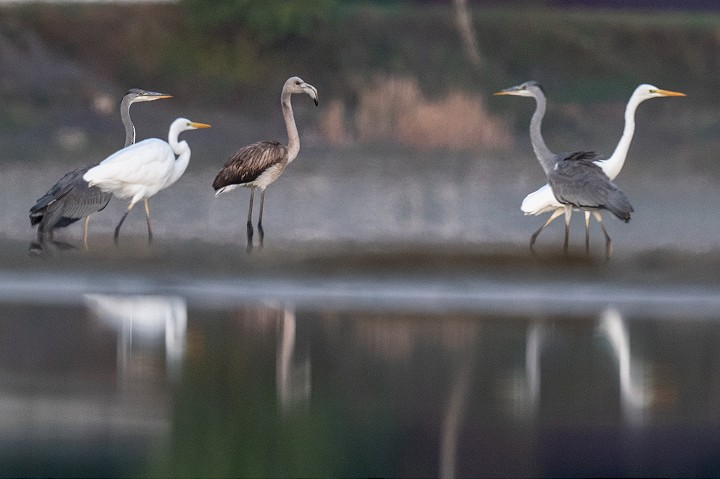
(122, 220)
(249, 220)
(85, 230)
(552, 217)
(608, 242)
(260, 228)
(568, 213)
(587, 232)
(147, 218)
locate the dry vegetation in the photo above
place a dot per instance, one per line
(394, 109)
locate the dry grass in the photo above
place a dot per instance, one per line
(394, 109)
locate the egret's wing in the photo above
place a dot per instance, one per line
(145, 163)
(540, 201)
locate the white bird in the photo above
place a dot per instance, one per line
(259, 164)
(543, 200)
(141, 170)
(71, 199)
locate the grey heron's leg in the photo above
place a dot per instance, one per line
(147, 218)
(85, 231)
(568, 213)
(122, 220)
(552, 217)
(587, 232)
(260, 228)
(249, 220)
(608, 241)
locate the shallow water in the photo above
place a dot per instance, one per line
(197, 359)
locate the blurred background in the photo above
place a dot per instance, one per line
(395, 324)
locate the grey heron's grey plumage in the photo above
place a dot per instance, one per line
(71, 198)
(258, 165)
(578, 182)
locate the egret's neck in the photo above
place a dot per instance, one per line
(613, 165)
(127, 122)
(543, 154)
(182, 149)
(293, 137)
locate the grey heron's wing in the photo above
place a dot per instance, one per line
(250, 162)
(69, 200)
(578, 181)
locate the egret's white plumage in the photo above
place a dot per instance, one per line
(145, 168)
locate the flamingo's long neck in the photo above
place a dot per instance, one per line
(293, 137)
(127, 122)
(543, 154)
(613, 165)
(182, 149)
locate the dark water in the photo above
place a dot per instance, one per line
(357, 360)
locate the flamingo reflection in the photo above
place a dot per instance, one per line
(292, 375)
(144, 322)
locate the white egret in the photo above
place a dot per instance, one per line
(71, 198)
(543, 200)
(259, 164)
(141, 170)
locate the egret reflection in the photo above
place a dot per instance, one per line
(145, 324)
(634, 396)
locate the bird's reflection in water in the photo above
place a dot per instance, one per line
(47, 248)
(292, 370)
(634, 395)
(145, 325)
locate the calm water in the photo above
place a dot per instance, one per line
(199, 360)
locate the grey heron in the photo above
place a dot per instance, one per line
(71, 199)
(543, 200)
(141, 170)
(259, 164)
(578, 182)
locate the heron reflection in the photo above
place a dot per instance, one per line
(144, 325)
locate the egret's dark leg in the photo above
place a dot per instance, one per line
(260, 228)
(552, 217)
(568, 213)
(85, 231)
(147, 218)
(608, 241)
(122, 220)
(249, 220)
(587, 232)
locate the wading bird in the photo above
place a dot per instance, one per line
(71, 198)
(259, 164)
(578, 182)
(543, 200)
(141, 170)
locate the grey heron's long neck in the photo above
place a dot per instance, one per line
(613, 165)
(293, 137)
(127, 122)
(543, 154)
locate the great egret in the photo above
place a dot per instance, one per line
(259, 164)
(578, 182)
(543, 200)
(141, 170)
(71, 198)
